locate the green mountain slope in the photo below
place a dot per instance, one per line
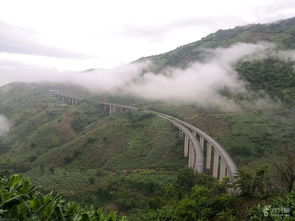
(59, 145)
(123, 161)
(282, 33)
(273, 73)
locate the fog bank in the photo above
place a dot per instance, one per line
(4, 125)
(199, 84)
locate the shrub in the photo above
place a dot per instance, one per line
(91, 180)
(20, 200)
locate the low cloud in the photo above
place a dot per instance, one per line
(4, 125)
(199, 84)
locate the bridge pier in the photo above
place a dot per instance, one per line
(191, 156)
(215, 164)
(202, 142)
(222, 169)
(111, 109)
(208, 156)
(186, 146)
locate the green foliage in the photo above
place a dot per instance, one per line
(23, 201)
(197, 200)
(258, 184)
(187, 178)
(281, 33)
(273, 75)
(244, 182)
(139, 145)
(91, 180)
(137, 155)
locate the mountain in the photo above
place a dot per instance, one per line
(273, 73)
(130, 161)
(112, 160)
(282, 33)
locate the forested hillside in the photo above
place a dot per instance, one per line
(132, 162)
(281, 33)
(117, 161)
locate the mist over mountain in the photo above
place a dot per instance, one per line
(4, 125)
(237, 85)
(196, 73)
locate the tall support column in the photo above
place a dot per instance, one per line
(222, 169)
(110, 110)
(191, 156)
(186, 146)
(215, 164)
(202, 142)
(208, 156)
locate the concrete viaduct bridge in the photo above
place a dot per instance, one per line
(203, 151)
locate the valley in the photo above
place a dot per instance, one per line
(131, 163)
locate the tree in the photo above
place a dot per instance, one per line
(185, 179)
(244, 182)
(286, 168)
(186, 210)
(91, 180)
(51, 170)
(42, 168)
(261, 182)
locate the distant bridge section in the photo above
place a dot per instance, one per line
(63, 98)
(203, 151)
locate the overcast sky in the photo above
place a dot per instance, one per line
(81, 34)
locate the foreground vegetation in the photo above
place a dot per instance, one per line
(20, 200)
(191, 197)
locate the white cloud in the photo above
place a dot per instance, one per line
(199, 84)
(121, 31)
(4, 125)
